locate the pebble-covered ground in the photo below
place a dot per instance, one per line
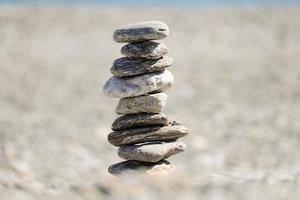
(237, 88)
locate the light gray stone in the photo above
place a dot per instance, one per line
(141, 31)
(124, 67)
(152, 103)
(130, 167)
(151, 152)
(117, 87)
(148, 50)
(139, 120)
(147, 134)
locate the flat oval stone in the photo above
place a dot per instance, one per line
(117, 87)
(162, 167)
(123, 67)
(151, 152)
(141, 31)
(148, 50)
(139, 120)
(147, 134)
(152, 103)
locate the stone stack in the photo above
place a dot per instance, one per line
(144, 135)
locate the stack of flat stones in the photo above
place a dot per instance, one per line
(145, 136)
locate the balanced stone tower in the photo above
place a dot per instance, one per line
(145, 136)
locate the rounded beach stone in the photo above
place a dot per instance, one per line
(152, 103)
(139, 120)
(123, 67)
(141, 31)
(148, 50)
(162, 167)
(147, 134)
(117, 87)
(151, 152)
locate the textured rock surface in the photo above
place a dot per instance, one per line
(127, 167)
(148, 50)
(139, 120)
(138, 85)
(147, 134)
(174, 122)
(151, 152)
(141, 31)
(152, 103)
(130, 67)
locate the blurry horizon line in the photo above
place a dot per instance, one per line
(154, 3)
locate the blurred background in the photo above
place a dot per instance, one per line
(237, 89)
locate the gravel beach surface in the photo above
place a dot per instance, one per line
(237, 89)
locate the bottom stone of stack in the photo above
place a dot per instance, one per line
(162, 167)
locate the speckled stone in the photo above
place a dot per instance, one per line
(139, 120)
(148, 50)
(147, 134)
(152, 103)
(123, 67)
(151, 152)
(141, 31)
(129, 167)
(117, 87)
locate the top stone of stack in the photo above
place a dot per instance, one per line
(141, 31)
